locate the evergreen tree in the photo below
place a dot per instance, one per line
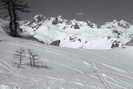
(13, 7)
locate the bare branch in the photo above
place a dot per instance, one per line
(22, 10)
(21, 5)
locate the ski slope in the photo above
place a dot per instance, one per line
(67, 68)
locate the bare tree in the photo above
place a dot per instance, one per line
(13, 7)
(33, 58)
(20, 54)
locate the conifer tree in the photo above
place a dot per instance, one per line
(12, 8)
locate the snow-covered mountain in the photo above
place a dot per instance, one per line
(119, 30)
(79, 34)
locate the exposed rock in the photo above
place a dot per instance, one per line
(130, 43)
(55, 43)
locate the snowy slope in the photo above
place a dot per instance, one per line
(3, 24)
(67, 68)
(79, 34)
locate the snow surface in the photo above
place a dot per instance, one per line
(67, 68)
(79, 34)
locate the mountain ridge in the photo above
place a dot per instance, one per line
(77, 34)
(82, 33)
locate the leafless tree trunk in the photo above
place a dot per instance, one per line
(33, 58)
(20, 54)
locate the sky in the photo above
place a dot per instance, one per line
(98, 11)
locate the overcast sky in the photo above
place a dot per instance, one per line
(97, 11)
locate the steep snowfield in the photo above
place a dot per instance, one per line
(67, 68)
(79, 34)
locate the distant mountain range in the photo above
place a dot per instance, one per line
(78, 34)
